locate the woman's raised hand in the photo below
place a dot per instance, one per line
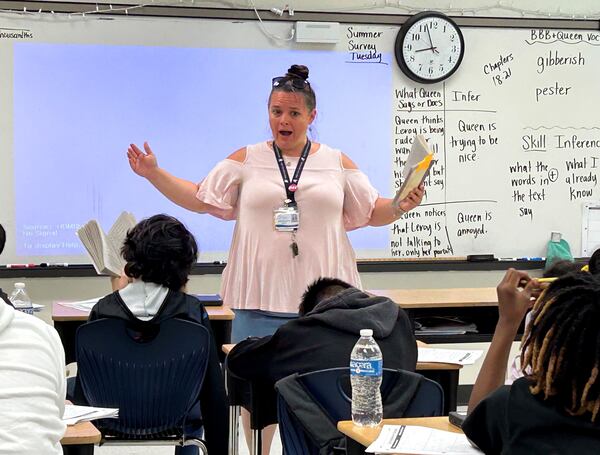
(143, 163)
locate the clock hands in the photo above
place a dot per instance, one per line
(434, 49)
(431, 46)
(429, 36)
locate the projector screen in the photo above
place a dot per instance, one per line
(76, 107)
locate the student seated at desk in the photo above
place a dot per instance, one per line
(555, 408)
(557, 269)
(331, 316)
(32, 383)
(594, 263)
(160, 253)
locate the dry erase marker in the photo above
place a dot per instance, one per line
(52, 264)
(19, 266)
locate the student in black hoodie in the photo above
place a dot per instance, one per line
(331, 316)
(555, 408)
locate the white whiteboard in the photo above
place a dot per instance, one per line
(515, 128)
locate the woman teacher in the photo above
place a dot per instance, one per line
(293, 201)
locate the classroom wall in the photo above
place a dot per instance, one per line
(45, 290)
(497, 8)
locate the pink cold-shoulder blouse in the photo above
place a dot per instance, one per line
(261, 271)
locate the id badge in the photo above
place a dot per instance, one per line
(286, 218)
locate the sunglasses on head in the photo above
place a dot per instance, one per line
(295, 82)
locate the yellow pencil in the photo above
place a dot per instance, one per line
(546, 280)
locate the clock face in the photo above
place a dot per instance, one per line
(429, 47)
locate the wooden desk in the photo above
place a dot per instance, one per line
(66, 320)
(477, 305)
(440, 298)
(359, 438)
(79, 439)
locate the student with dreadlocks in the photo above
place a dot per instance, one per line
(554, 409)
(594, 263)
(558, 269)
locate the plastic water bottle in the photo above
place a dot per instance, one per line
(20, 299)
(366, 369)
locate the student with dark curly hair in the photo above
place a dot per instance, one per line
(555, 407)
(160, 253)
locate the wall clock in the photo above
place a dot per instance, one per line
(429, 47)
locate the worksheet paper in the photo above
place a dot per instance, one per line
(404, 439)
(82, 305)
(74, 414)
(458, 356)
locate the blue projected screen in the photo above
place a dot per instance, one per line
(78, 107)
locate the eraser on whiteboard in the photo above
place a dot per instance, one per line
(480, 257)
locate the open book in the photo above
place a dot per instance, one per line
(105, 249)
(418, 164)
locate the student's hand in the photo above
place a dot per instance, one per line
(515, 296)
(119, 282)
(413, 199)
(143, 164)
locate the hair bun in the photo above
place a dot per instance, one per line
(299, 71)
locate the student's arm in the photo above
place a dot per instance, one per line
(249, 358)
(513, 303)
(384, 213)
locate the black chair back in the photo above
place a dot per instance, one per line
(405, 393)
(154, 378)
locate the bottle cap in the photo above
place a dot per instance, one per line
(20, 285)
(366, 332)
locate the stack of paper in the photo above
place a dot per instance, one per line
(441, 325)
(420, 440)
(75, 414)
(83, 305)
(458, 356)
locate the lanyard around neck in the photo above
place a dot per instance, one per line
(291, 187)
